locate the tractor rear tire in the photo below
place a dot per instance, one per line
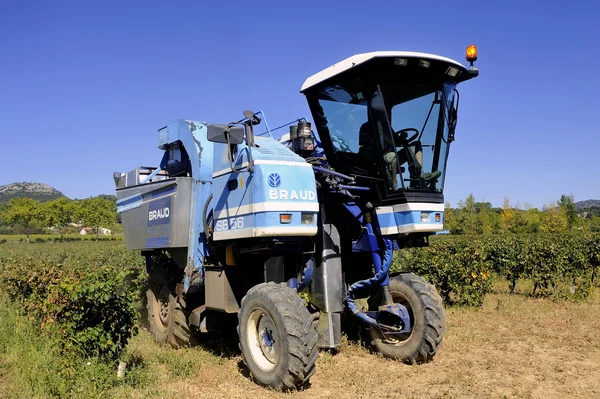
(428, 321)
(277, 337)
(166, 318)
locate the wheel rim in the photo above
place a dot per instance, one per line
(397, 339)
(263, 339)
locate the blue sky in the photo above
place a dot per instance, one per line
(84, 86)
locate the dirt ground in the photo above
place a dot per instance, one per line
(512, 347)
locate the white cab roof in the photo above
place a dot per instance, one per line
(358, 59)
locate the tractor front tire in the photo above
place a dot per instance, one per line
(166, 318)
(277, 338)
(428, 321)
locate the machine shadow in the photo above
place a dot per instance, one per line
(218, 344)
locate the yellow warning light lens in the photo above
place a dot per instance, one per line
(285, 218)
(472, 53)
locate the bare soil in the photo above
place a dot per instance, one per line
(513, 347)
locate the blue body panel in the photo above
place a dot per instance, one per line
(280, 182)
(192, 135)
(410, 218)
(247, 201)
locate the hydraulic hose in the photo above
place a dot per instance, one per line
(305, 277)
(204, 211)
(333, 173)
(306, 274)
(380, 278)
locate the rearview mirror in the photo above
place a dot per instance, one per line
(218, 134)
(251, 116)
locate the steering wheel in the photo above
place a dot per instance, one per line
(403, 133)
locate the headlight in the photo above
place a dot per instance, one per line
(307, 218)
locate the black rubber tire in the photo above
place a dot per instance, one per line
(172, 328)
(179, 334)
(428, 320)
(295, 332)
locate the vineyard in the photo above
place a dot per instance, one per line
(83, 300)
(89, 294)
(561, 266)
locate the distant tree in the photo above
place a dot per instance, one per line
(95, 212)
(554, 219)
(59, 213)
(486, 218)
(468, 215)
(24, 212)
(520, 222)
(113, 198)
(532, 219)
(507, 215)
(479, 206)
(567, 204)
(479, 217)
(450, 221)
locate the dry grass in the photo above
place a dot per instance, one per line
(512, 347)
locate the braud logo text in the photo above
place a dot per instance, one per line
(158, 214)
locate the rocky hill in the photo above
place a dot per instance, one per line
(38, 191)
(587, 204)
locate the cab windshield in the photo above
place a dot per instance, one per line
(397, 129)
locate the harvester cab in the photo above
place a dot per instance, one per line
(287, 235)
(387, 120)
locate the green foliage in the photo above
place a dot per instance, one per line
(459, 270)
(472, 217)
(23, 211)
(507, 215)
(32, 360)
(97, 211)
(567, 205)
(451, 220)
(35, 365)
(29, 216)
(560, 266)
(85, 293)
(59, 213)
(554, 220)
(55, 238)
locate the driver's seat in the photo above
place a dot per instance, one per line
(365, 139)
(367, 151)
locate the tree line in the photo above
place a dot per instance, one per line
(473, 217)
(30, 215)
(470, 217)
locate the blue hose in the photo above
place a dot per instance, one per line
(306, 274)
(305, 277)
(380, 278)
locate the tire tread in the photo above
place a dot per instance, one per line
(299, 332)
(434, 326)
